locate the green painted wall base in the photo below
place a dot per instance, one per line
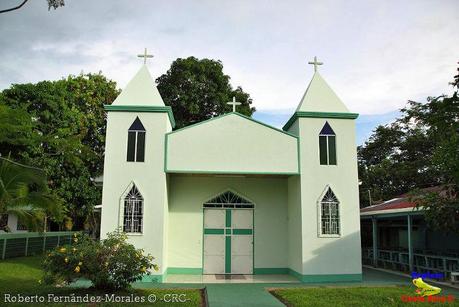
(153, 278)
(317, 278)
(184, 271)
(326, 278)
(270, 271)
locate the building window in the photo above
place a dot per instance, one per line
(327, 145)
(329, 214)
(20, 225)
(133, 211)
(136, 142)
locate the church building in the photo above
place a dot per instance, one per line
(232, 195)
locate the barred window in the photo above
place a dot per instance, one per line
(133, 211)
(329, 214)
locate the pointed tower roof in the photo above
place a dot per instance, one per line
(319, 101)
(319, 97)
(141, 95)
(140, 91)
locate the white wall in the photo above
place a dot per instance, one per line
(232, 143)
(329, 255)
(148, 176)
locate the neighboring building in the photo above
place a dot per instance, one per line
(232, 195)
(397, 231)
(10, 223)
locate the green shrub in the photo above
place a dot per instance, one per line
(112, 263)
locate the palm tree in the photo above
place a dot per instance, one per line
(24, 192)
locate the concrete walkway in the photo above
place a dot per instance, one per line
(256, 294)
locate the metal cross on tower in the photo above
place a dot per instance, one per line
(234, 103)
(145, 56)
(315, 63)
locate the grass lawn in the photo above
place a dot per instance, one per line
(350, 296)
(21, 276)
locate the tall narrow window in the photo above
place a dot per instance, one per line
(133, 211)
(329, 214)
(136, 142)
(327, 145)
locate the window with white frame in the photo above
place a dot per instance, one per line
(133, 211)
(329, 214)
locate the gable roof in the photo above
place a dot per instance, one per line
(238, 114)
(140, 91)
(319, 97)
(231, 144)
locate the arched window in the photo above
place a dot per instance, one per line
(133, 211)
(136, 142)
(228, 200)
(329, 214)
(327, 145)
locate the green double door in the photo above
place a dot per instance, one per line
(228, 241)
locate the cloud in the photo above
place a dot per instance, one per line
(377, 54)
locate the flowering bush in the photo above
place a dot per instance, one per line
(110, 264)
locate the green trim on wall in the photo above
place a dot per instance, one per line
(228, 254)
(213, 231)
(324, 278)
(185, 271)
(270, 271)
(242, 231)
(229, 172)
(235, 113)
(302, 114)
(151, 109)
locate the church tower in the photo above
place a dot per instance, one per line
(323, 199)
(135, 184)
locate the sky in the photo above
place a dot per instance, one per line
(376, 54)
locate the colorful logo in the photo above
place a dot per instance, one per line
(424, 289)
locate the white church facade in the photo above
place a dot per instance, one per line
(232, 195)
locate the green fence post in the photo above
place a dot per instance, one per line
(58, 239)
(26, 245)
(4, 248)
(44, 243)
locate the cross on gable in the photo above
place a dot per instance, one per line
(234, 103)
(145, 56)
(315, 63)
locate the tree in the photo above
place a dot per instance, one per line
(24, 192)
(198, 90)
(418, 150)
(16, 131)
(51, 4)
(66, 124)
(440, 119)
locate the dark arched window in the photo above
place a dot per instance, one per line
(133, 211)
(327, 145)
(136, 142)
